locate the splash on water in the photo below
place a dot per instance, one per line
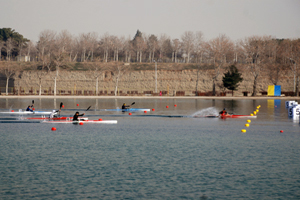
(206, 112)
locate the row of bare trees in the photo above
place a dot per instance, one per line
(257, 53)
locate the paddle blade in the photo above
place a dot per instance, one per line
(61, 104)
(133, 103)
(32, 101)
(88, 108)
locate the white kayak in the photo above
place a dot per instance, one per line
(82, 121)
(20, 112)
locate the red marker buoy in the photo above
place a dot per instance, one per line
(81, 123)
(167, 106)
(33, 108)
(145, 111)
(281, 131)
(153, 109)
(53, 129)
(77, 105)
(129, 114)
(100, 119)
(63, 106)
(12, 111)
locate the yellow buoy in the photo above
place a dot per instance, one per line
(247, 125)
(251, 114)
(243, 130)
(257, 110)
(254, 113)
(257, 107)
(249, 121)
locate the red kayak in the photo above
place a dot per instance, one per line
(238, 116)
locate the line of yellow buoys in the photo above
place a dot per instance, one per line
(249, 121)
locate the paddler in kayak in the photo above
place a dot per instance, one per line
(223, 113)
(124, 106)
(29, 108)
(75, 117)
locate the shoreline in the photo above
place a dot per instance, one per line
(144, 97)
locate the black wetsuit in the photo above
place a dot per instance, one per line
(125, 107)
(75, 117)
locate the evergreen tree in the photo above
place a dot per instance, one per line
(231, 78)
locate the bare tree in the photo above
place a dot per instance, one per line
(9, 45)
(218, 49)
(254, 49)
(292, 54)
(117, 70)
(152, 46)
(188, 40)
(105, 44)
(176, 47)
(199, 46)
(9, 68)
(97, 70)
(161, 42)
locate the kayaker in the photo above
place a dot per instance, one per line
(75, 117)
(29, 109)
(53, 114)
(223, 112)
(124, 106)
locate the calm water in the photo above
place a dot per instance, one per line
(152, 156)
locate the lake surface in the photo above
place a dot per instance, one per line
(165, 154)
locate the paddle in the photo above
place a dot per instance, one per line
(133, 103)
(88, 108)
(60, 106)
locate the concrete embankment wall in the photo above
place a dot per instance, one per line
(144, 80)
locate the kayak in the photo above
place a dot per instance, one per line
(128, 110)
(27, 113)
(238, 116)
(55, 118)
(226, 116)
(83, 121)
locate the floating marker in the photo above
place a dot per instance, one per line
(145, 111)
(129, 114)
(53, 129)
(12, 111)
(247, 125)
(243, 130)
(281, 131)
(63, 106)
(81, 123)
(100, 119)
(77, 104)
(153, 109)
(254, 112)
(167, 106)
(249, 121)
(175, 105)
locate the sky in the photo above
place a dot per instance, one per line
(236, 19)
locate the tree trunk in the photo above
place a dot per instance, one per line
(54, 90)
(214, 87)
(196, 93)
(40, 83)
(96, 86)
(6, 89)
(117, 82)
(254, 86)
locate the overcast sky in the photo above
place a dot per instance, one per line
(235, 18)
